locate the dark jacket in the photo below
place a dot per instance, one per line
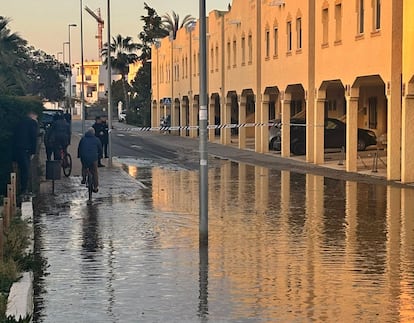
(25, 137)
(105, 137)
(89, 149)
(60, 132)
(99, 131)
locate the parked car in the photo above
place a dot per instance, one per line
(334, 135)
(47, 117)
(122, 116)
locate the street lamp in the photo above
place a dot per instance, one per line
(108, 59)
(82, 71)
(70, 73)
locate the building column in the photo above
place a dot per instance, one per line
(319, 132)
(211, 121)
(193, 106)
(225, 134)
(264, 129)
(351, 133)
(182, 114)
(394, 139)
(407, 140)
(191, 117)
(310, 127)
(285, 128)
(242, 119)
(258, 112)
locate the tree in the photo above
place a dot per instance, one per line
(172, 23)
(142, 101)
(122, 52)
(46, 75)
(152, 31)
(12, 54)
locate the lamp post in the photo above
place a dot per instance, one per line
(109, 84)
(203, 212)
(70, 73)
(82, 94)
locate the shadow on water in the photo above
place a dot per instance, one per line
(282, 247)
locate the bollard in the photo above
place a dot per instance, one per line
(1, 239)
(375, 163)
(6, 213)
(10, 196)
(341, 161)
(14, 193)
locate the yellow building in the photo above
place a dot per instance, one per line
(311, 59)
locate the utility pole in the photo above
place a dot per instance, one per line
(109, 67)
(203, 212)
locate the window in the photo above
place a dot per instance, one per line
(325, 20)
(198, 63)
(373, 112)
(217, 58)
(289, 36)
(267, 42)
(212, 59)
(299, 33)
(234, 53)
(275, 41)
(361, 17)
(186, 67)
(243, 48)
(377, 15)
(250, 45)
(295, 107)
(228, 55)
(338, 22)
(195, 64)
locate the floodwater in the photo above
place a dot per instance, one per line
(283, 247)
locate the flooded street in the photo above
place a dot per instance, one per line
(283, 247)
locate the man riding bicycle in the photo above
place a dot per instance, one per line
(57, 137)
(89, 152)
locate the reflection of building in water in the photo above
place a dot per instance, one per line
(288, 246)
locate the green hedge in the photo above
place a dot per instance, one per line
(12, 110)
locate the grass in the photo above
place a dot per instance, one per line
(15, 260)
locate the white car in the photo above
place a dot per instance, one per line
(122, 116)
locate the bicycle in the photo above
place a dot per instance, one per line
(66, 159)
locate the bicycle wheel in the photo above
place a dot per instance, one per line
(89, 180)
(67, 164)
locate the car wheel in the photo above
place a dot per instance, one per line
(299, 148)
(275, 144)
(361, 145)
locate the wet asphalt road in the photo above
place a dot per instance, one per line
(283, 246)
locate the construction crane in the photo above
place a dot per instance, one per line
(100, 21)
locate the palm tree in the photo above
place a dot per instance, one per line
(172, 23)
(122, 52)
(12, 55)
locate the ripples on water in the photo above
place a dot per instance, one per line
(283, 248)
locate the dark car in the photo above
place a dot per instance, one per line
(47, 117)
(334, 135)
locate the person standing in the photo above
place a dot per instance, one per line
(98, 126)
(89, 152)
(105, 138)
(24, 147)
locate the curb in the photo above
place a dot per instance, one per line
(20, 302)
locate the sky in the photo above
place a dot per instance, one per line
(44, 23)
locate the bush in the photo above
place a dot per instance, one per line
(12, 110)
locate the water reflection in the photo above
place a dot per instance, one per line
(290, 246)
(283, 247)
